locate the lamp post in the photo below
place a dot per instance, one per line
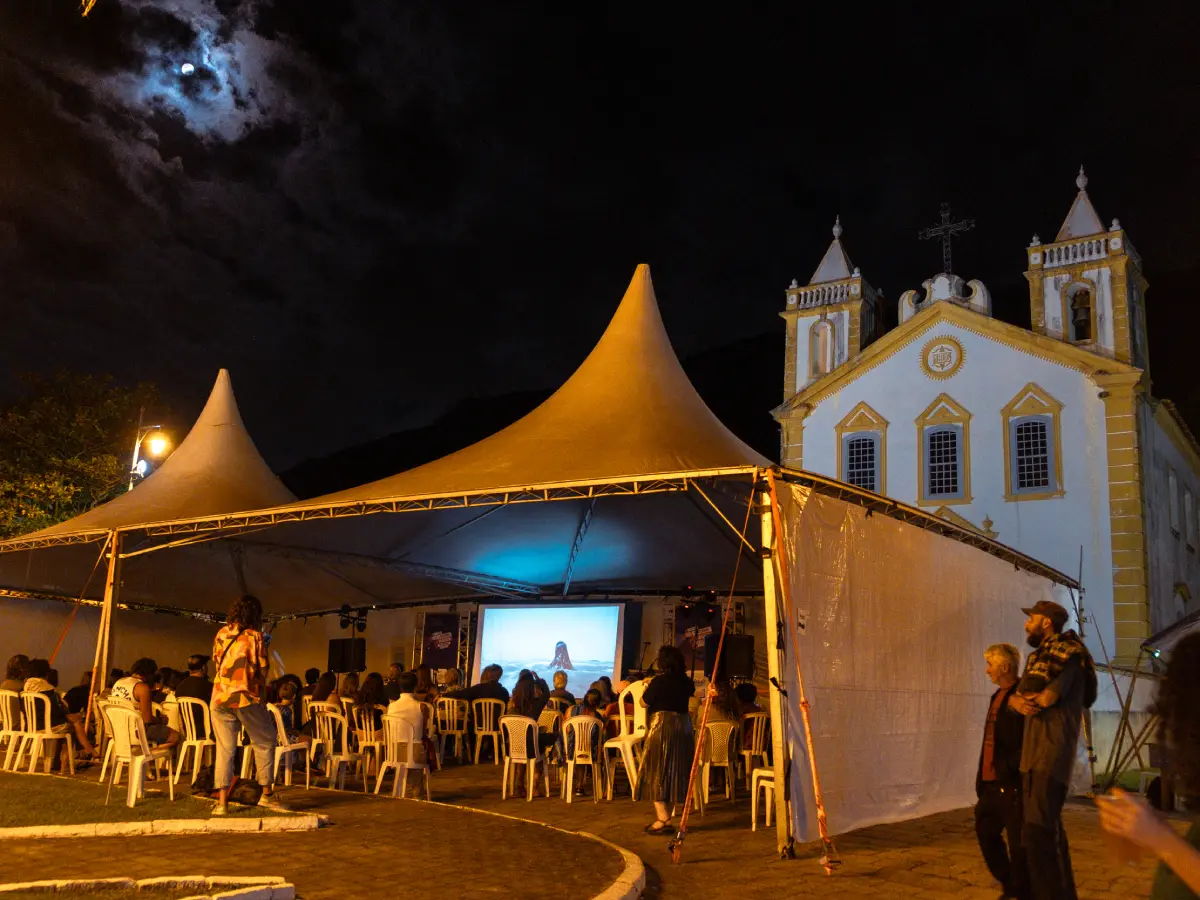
(156, 445)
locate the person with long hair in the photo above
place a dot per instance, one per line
(325, 688)
(670, 741)
(239, 692)
(16, 673)
(371, 696)
(1130, 817)
(426, 691)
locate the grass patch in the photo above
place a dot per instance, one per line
(53, 800)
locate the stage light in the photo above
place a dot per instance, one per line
(361, 625)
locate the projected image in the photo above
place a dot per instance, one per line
(579, 640)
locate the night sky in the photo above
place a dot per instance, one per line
(370, 210)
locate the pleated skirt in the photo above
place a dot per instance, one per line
(667, 758)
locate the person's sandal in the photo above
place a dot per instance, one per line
(661, 826)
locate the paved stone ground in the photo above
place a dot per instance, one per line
(376, 848)
(371, 851)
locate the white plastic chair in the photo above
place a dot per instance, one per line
(131, 748)
(284, 750)
(11, 732)
(755, 725)
(519, 732)
(558, 704)
(761, 779)
(487, 715)
(333, 731)
(370, 738)
(628, 742)
(39, 741)
(583, 733)
(314, 707)
(189, 710)
(451, 717)
(719, 739)
(305, 703)
(401, 752)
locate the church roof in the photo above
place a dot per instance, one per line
(835, 264)
(904, 334)
(1082, 219)
(217, 469)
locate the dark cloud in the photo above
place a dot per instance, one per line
(368, 209)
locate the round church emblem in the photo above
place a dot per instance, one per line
(942, 357)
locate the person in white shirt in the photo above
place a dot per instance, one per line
(407, 707)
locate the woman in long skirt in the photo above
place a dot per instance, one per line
(670, 742)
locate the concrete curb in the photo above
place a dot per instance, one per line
(270, 824)
(629, 885)
(209, 887)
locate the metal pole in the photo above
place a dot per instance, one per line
(137, 446)
(112, 587)
(779, 742)
(99, 661)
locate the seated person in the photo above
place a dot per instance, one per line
(407, 708)
(311, 676)
(529, 698)
(488, 688)
(747, 695)
(426, 691)
(77, 697)
(611, 712)
(134, 691)
(61, 721)
(350, 686)
(16, 674)
(290, 714)
(370, 698)
(560, 691)
(196, 686)
(391, 684)
(451, 679)
(325, 689)
(587, 707)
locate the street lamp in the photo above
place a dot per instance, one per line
(156, 443)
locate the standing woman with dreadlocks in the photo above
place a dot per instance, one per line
(239, 695)
(1130, 817)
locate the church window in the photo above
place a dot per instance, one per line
(1079, 314)
(1032, 445)
(944, 466)
(821, 348)
(862, 449)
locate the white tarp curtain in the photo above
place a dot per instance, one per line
(893, 621)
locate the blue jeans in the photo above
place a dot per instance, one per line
(260, 726)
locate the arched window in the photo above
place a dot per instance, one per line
(821, 348)
(1032, 445)
(862, 449)
(1079, 314)
(944, 448)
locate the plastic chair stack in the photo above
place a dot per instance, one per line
(402, 752)
(628, 742)
(761, 779)
(520, 732)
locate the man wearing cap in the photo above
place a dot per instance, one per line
(1058, 684)
(197, 686)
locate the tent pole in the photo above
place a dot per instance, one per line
(99, 659)
(779, 744)
(829, 858)
(112, 587)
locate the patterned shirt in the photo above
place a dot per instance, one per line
(239, 674)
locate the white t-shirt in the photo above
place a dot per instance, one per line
(407, 707)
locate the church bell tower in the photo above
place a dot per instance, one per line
(1087, 286)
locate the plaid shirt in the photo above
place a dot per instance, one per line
(1047, 662)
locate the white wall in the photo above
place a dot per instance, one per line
(1052, 287)
(33, 627)
(1050, 530)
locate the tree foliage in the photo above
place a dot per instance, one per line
(65, 446)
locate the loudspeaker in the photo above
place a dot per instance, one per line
(347, 655)
(737, 656)
(631, 640)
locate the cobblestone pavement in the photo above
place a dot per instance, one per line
(932, 857)
(383, 848)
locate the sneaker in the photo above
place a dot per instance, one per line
(268, 801)
(220, 810)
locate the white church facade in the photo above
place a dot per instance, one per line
(1047, 439)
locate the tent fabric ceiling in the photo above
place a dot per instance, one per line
(216, 469)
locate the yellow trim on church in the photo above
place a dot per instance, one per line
(1033, 400)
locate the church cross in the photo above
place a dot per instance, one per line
(946, 231)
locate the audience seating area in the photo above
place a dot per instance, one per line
(340, 740)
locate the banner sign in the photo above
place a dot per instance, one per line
(440, 642)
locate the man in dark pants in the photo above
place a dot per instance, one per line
(1058, 684)
(998, 779)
